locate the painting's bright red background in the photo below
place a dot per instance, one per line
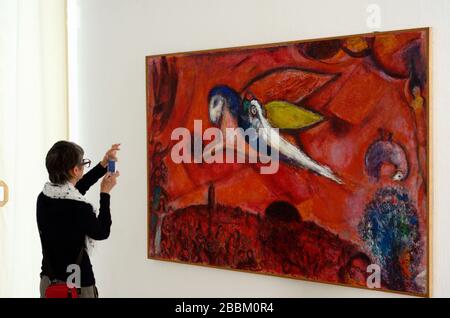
(366, 94)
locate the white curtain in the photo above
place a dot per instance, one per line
(33, 115)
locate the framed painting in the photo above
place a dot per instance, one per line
(304, 159)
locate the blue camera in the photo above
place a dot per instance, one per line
(111, 166)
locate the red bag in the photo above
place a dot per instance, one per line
(60, 290)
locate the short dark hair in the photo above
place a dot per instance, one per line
(61, 158)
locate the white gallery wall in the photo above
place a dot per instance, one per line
(108, 42)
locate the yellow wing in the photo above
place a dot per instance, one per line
(285, 115)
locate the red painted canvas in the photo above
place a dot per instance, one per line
(327, 177)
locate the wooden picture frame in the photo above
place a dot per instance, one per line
(356, 105)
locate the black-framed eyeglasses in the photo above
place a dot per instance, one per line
(86, 162)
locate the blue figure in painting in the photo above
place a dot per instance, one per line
(390, 229)
(227, 108)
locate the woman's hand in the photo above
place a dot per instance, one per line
(109, 181)
(111, 154)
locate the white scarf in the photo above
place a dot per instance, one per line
(68, 191)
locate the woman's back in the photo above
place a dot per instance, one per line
(61, 227)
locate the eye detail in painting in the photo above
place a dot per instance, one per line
(349, 201)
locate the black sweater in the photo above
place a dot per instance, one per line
(63, 225)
